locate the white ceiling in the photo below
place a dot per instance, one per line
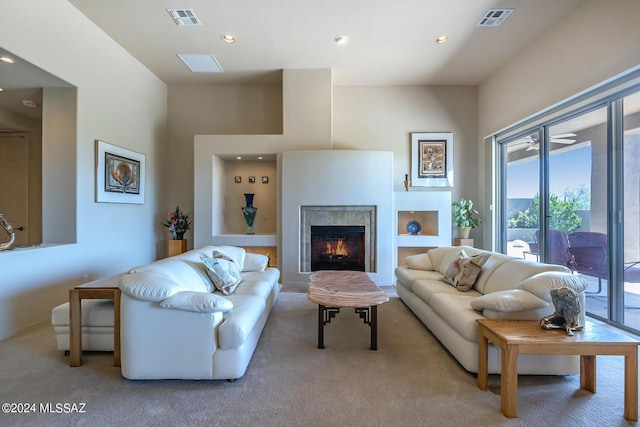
(391, 42)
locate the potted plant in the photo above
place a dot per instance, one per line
(178, 224)
(464, 217)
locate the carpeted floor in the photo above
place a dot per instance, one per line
(410, 381)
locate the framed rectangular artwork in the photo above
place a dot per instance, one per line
(119, 174)
(432, 159)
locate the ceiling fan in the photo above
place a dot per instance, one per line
(532, 142)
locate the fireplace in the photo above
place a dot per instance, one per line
(327, 232)
(337, 247)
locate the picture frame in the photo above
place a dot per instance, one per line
(265, 179)
(238, 179)
(120, 174)
(432, 159)
(252, 180)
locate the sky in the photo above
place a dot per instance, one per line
(566, 170)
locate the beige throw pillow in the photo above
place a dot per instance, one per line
(466, 272)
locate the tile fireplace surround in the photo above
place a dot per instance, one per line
(336, 187)
(337, 216)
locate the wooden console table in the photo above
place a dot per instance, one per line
(516, 337)
(106, 288)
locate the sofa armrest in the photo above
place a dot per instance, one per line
(508, 301)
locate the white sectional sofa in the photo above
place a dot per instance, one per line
(174, 326)
(506, 288)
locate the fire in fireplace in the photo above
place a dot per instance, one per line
(337, 247)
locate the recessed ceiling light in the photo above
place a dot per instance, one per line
(442, 40)
(341, 39)
(259, 157)
(239, 158)
(1, 89)
(7, 60)
(228, 38)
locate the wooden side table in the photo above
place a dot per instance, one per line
(462, 242)
(515, 337)
(106, 288)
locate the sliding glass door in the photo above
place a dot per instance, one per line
(569, 194)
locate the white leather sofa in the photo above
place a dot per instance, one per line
(506, 288)
(173, 326)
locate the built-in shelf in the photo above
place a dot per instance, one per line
(432, 209)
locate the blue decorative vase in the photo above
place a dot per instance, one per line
(249, 211)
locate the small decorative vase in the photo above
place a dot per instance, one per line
(464, 232)
(249, 211)
(407, 182)
(178, 236)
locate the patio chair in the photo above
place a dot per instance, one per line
(591, 254)
(558, 248)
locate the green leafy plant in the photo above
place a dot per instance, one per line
(178, 223)
(464, 215)
(562, 213)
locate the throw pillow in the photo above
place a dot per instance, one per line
(454, 269)
(542, 283)
(224, 274)
(199, 302)
(466, 271)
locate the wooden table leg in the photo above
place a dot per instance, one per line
(631, 385)
(320, 326)
(374, 326)
(116, 328)
(75, 329)
(483, 373)
(509, 381)
(588, 373)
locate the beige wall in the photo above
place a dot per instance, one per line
(119, 101)
(598, 41)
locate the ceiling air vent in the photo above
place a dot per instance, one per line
(184, 17)
(494, 17)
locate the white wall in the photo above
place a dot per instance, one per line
(118, 101)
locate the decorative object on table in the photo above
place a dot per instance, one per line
(8, 228)
(238, 179)
(252, 180)
(119, 174)
(249, 211)
(464, 217)
(407, 182)
(265, 179)
(178, 224)
(432, 159)
(567, 314)
(414, 227)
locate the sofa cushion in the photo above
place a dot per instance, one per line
(224, 273)
(456, 311)
(542, 283)
(509, 274)
(407, 276)
(509, 300)
(198, 302)
(255, 262)
(424, 289)
(239, 322)
(258, 283)
(148, 286)
(419, 262)
(181, 272)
